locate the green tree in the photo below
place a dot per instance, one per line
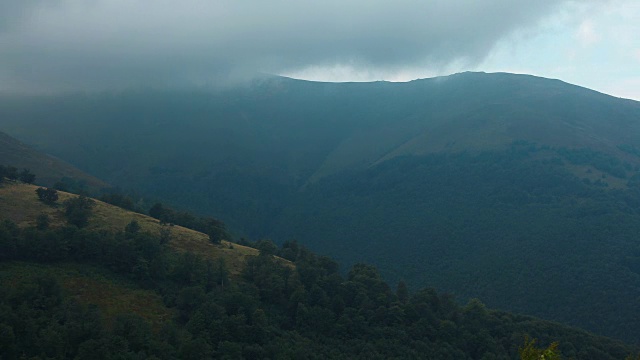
(266, 247)
(26, 176)
(216, 230)
(47, 195)
(157, 211)
(78, 210)
(530, 352)
(132, 227)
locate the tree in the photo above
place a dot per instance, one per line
(26, 176)
(266, 247)
(530, 352)
(47, 195)
(215, 229)
(78, 210)
(132, 227)
(59, 185)
(157, 211)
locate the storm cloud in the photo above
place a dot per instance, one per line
(102, 44)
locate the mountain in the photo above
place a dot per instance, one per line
(49, 169)
(110, 291)
(521, 191)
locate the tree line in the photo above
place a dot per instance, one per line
(11, 173)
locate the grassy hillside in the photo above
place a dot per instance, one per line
(89, 285)
(49, 169)
(19, 203)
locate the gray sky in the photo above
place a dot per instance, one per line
(53, 45)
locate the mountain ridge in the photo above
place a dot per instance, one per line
(431, 180)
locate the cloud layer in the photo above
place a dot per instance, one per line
(98, 44)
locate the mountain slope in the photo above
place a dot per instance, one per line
(499, 186)
(19, 203)
(521, 233)
(90, 292)
(253, 148)
(48, 168)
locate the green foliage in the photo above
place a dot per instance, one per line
(47, 195)
(402, 292)
(272, 311)
(115, 197)
(158, 211)
(530, 352)
(601, 161)
(72, 185)
(479, 225)
(78, 210)
(215, 229)
(132, 227)
(266, 247)
(26, 176)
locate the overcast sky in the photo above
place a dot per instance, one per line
(59, 45)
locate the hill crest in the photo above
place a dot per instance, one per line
(19, 203)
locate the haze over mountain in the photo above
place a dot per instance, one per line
(70, 45)
(49, 169)
(519, 190)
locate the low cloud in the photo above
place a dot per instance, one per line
(587, 33)
(103, 44)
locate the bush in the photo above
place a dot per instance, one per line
(78, 210)
(27, 177)
(47, 195)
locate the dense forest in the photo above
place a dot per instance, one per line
(515, 228)
(305, 309)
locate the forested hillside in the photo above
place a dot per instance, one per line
(518, 190)
(75, 292)
(514, 228)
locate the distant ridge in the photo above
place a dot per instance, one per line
(48, 168)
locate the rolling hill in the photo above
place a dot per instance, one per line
(65, 294)
(519, 190)
(19, 204)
